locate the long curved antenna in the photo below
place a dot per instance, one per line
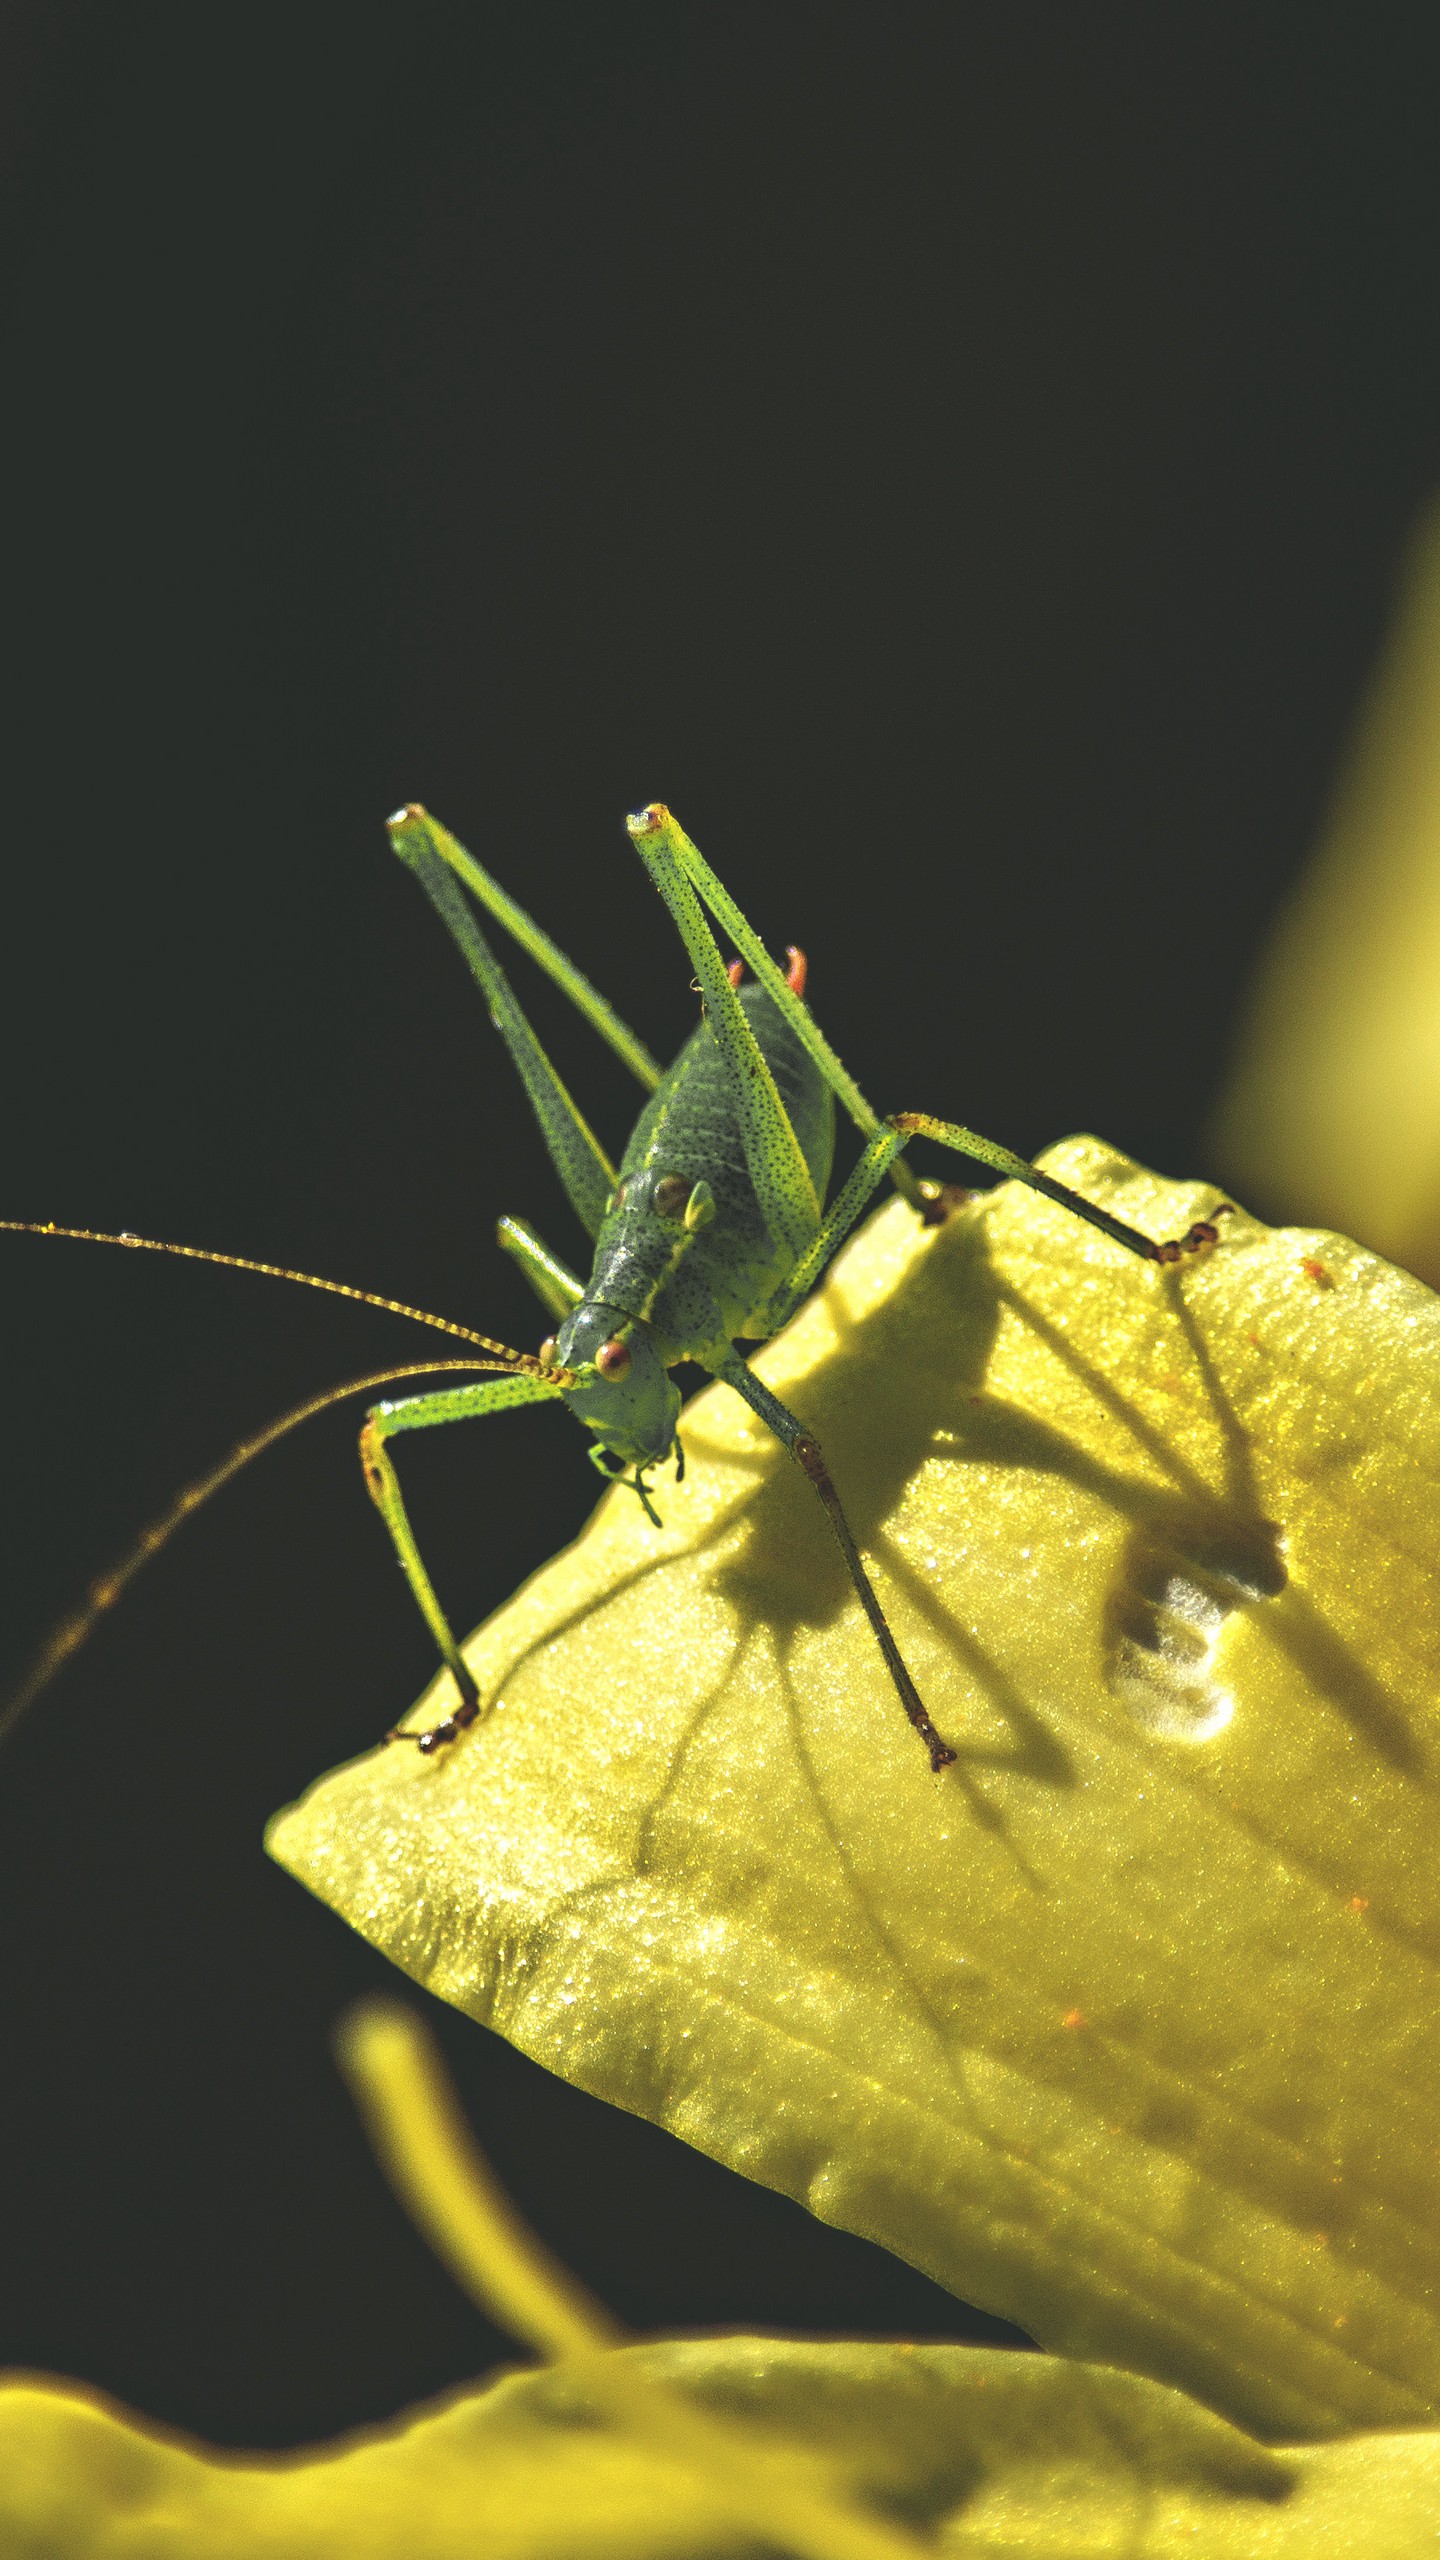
(267, 1270)
(70, 1635)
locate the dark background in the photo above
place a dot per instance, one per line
(959, 458)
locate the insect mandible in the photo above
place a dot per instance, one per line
(711, 1231)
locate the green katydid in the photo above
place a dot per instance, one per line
(710, 1232)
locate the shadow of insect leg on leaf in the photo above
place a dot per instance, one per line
(1188, 1563)
(1194, 1555)
(1296, 1625)
(553, 1634)
(1194, 1559)
(917, 1992)
(696, 1722)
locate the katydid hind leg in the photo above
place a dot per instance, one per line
(881, 1159)
(786, 990)
(508, 913)
(778, 1173)
(805, 1449)
(576, 1153)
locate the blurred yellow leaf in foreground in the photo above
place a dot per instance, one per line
(996, 2452)
(1333, 1110)
(1126, 2026)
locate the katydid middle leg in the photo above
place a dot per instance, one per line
(966, 1142)
(422, 1413)
(878, 1158)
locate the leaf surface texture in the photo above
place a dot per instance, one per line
(1126, 2026)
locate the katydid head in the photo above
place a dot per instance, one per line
(626, 1396)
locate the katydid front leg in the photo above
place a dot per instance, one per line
(422, 1413)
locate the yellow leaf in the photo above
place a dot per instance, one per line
(997, 2453)
(1126, 2026)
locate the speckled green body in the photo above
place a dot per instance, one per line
(677, 1294)
(725, 1283)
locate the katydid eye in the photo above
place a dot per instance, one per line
(613, 1359)
(547, 1352)
(671, 1196)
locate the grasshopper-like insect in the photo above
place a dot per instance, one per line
(710, 1233)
